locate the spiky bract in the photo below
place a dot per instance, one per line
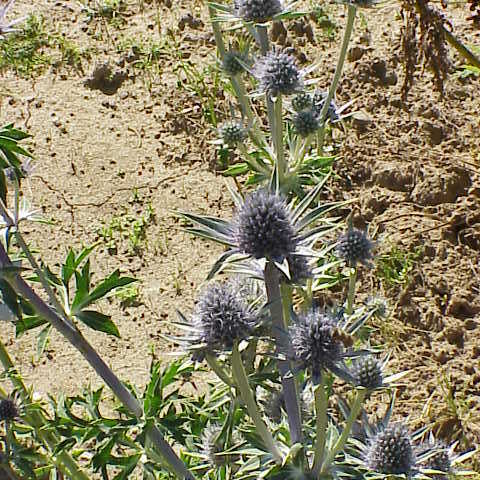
(391, 452)
(221, 317)
(232, 133)
(306, 122)
(263, 227)
(367, 372)
(354, 246)
(231, 63)
(212, 445)
(314, 342)
(318, 101)
(278, 74)
(8, 410)
(258, 11)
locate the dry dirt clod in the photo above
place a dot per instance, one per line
(105, 80)
(190, 21)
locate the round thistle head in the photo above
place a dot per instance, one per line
(300, 270)
(354, 246)
(315, 343)
(278, 74)
(8, 410)
(263, 227)
(221, 317)
(231, 64)
(379, 306)
(306, 122)
(391, 452)
(302, 101)
(367, 372)
(232, 133)
(258, 11)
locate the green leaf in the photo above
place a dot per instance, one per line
(98, 321)
(10, 298)
(28, 323)
(237, 169)
(42, 340)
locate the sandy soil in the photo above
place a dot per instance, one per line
(414, 168)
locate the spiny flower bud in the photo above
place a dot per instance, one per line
(367, 372)
(315, 343)
(354, 246)
(221, 317)
(258, 11)
(306, 122)
(277, 74)
(391, 451)
(231, 64)
(263, 227)
(8, 410)
(232, 133)
(302, 101)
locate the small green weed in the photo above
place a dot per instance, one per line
(323, 18)
(25, 51)
(466, 71)
(113, 11)
(127, 227)
(394, 267)
(128, 296)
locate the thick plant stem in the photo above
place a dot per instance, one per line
(352, 10)
(248, 398)
(217, 32)
(321, 406)
(340, 443)
(272, 284)
(97, 363)
(278, 141)
(63, 461)
(218, 370)
(352, 281)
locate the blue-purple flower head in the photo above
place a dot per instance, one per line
(278, 74)
(8, 409)
(232, 63)
(232, 133)
(257, 11)
(318, 101)
(391, 451)
(302, 101)
(263, 227)
(315, 344)
(442, 462)
(355, 247)
(221, 317)
(306, 122)
(368, 373)
(299, 269)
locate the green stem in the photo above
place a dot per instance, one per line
(272, 285)
(253, 161)
(352, 280)
(249, 400)
(96, 362)
(352, 10)
(63, 461)
(217, 32)
(219, 371)
(340, 443)
(278, 140)
(321, 406)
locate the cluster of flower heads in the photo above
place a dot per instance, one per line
(278, 74)
(257, 11)
(220, 318)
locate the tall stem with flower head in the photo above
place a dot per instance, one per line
(94, 359)
(321, 421)
(352, 10)
(272, 284)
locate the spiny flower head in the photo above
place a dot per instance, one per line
(306, 122)
(318, 101)
(299, 268)
(231, 64)
(278, 74)
(221, 317)
(258, 11)
(442, 462)
(8, 410)
(263, 227)
(391, 452)
(315, 343)
(354, 246)
(368, 373)
(302, 101)
(232, 133)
